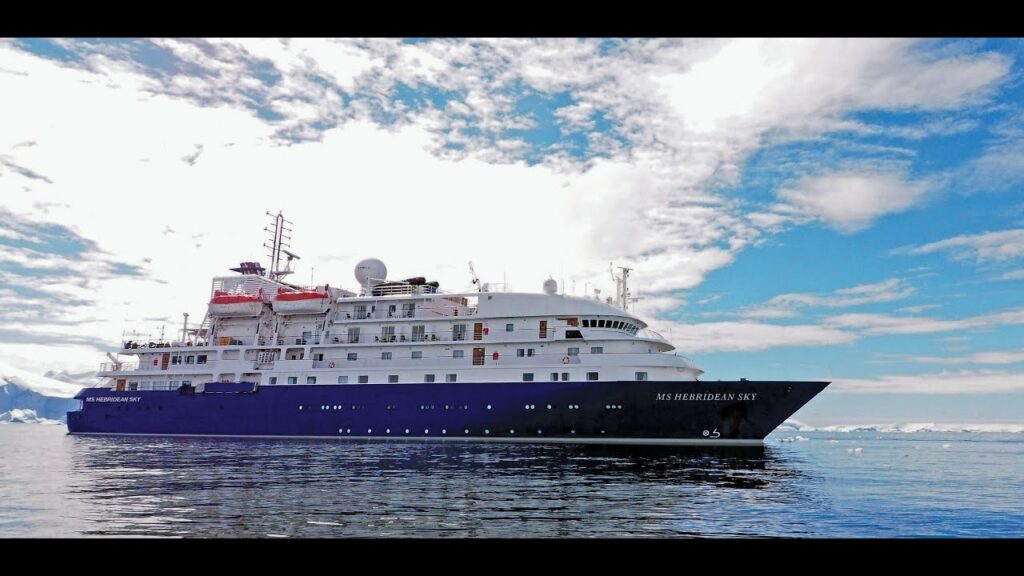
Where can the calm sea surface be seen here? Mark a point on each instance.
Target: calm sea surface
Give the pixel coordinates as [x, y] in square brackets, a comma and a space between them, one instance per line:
[800, 484]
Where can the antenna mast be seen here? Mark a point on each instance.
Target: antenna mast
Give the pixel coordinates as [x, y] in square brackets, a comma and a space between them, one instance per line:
[280, 241]
[476, 279]
[623, 297]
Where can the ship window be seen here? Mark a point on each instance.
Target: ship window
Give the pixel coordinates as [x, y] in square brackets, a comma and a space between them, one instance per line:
[133, 386]
[353, 335]
[293, 379]
[186, 382]
[387, 334]
[600, 323]
[310, 379]
[385, 355]
[190, 359]
[565, 376]
[641, 376]
[509, 327]
[201, 359]
[554, 376]
[146, 386]
[342, 379]
[273, 379]
[574, 351]
[364, 379]
[597, 350]
[360, 311]
[419, 333]
[521, 352]
[529, 351]
[591, 375]
[450, 377]
[392, 378]
[417, 354]
[459, 332]
[175, 359]
[527, 376]
[428, 377]
[318, 357]
[408, 310]
[458, 353]
[586, 323]
[573, 334]
[353, 355]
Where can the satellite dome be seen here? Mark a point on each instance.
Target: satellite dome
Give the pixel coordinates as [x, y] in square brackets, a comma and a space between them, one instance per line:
[370, 272]
[550, 286]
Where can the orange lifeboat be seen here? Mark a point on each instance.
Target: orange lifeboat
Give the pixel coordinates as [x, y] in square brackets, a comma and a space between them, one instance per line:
[301, 302]
[235, 304]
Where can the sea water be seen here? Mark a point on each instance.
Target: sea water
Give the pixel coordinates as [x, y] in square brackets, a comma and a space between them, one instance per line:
[831, 483]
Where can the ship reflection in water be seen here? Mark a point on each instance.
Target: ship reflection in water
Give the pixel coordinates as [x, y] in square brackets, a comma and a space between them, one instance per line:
[222, 487]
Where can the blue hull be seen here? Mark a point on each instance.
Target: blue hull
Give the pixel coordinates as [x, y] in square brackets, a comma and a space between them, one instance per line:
[586, 412]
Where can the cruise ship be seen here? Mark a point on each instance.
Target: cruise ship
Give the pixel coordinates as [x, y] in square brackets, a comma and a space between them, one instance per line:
[405, 360]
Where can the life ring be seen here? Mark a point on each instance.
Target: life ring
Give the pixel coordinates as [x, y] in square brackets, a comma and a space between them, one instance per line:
[565, 359]
[330, 364]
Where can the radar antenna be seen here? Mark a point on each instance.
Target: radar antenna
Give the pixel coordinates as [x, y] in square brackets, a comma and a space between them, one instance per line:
[280, 241]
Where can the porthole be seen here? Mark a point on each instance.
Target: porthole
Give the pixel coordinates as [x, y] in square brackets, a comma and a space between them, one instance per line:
[348, 430]
[340, 430]
[369, 430]
[387, 431]
[572, 432]
[488, 406]
[511, 431]
[466, 431]
[549, 406]
[443, 431]
[487, 431]
[300, 406]
[406, 430]
[538, 431]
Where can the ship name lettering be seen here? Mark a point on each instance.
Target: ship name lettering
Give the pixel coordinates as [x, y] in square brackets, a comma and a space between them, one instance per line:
[707, 397]
[113, 399]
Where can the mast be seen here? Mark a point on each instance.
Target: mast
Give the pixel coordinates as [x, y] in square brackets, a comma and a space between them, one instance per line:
[280, 241]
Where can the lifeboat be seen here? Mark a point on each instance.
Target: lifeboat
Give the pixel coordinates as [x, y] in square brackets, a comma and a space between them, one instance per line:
[227, 304]
[301, 302]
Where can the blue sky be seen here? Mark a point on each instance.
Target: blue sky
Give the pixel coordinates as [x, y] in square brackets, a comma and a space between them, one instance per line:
[841, 209]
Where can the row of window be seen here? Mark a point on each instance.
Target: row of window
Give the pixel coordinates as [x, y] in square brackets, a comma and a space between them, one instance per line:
[393, 378]
[189, 359]
[418, 354]
[613, 324]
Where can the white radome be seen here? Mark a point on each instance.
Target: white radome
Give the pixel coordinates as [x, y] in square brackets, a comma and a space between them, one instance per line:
[370, 271]
[550, 286]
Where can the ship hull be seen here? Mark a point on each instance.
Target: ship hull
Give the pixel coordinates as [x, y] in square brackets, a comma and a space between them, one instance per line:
[656, 413]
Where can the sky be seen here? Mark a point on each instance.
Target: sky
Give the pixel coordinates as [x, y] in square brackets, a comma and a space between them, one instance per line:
[848, 210]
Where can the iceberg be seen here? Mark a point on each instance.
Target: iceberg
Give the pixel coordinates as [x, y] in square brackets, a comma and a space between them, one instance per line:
[30, 398]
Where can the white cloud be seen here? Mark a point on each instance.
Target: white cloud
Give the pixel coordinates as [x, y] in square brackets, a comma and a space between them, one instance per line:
[850, 201]
[983, 358]
[110, 140]
[944, 382]
[999, 246]
[785, 305]
[747, 336]
[876, 324]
